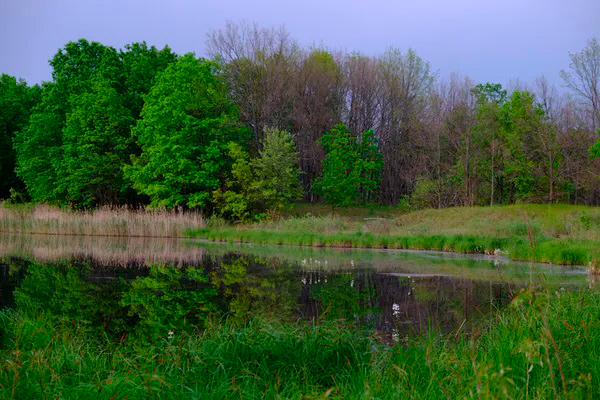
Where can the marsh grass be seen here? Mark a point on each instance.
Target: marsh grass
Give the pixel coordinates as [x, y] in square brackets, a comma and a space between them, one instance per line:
[545, 345]
[558, 234]
[124, 222]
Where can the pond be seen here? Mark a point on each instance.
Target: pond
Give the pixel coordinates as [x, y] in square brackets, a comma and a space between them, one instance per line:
[157, 287]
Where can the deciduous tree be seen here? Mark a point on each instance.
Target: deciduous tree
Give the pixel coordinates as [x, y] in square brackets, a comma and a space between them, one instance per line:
[351, 168]
[187, 124]
[16, 103]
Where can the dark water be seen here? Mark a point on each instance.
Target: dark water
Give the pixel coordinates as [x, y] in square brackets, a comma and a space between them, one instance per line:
[157, 287]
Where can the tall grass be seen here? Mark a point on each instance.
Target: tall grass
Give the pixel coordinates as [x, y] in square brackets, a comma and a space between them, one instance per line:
[546, 345]
[42, 219]
[545, 233]
[557, 251]
[553, 221]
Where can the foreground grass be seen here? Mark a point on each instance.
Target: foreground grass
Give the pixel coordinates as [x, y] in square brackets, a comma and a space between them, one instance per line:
[545, 345]
[122, 222]
[559, 234]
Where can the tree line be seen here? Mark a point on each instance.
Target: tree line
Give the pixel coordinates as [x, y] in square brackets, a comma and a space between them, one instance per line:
[263, 123]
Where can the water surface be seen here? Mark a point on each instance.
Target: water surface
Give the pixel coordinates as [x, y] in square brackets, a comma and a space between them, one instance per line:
[156, 287]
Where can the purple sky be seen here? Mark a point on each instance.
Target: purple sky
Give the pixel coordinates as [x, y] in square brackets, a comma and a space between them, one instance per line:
[489, 40]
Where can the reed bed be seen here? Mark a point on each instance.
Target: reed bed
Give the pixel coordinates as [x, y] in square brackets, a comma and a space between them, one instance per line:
[545, 345]
[122, 222]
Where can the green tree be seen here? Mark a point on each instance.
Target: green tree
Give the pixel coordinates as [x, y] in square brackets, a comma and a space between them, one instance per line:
[486, 132]
[369, 164]
[39, 146]
[187, 123]
[277, 175]
[16, 104]
[141, 65]
[79, 137]
[520, 121]
[235, 200]
[96, 142]
[595, 149]
[351, 169]
[270, 181]
[531, 158]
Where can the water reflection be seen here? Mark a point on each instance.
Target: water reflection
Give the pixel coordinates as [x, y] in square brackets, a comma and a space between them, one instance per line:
[152, 289]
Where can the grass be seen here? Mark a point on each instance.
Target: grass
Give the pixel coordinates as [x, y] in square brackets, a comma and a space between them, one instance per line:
[546, 345]
[122, 222]
[559, 234]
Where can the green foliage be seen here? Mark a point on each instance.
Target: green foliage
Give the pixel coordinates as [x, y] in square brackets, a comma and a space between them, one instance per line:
[38, 146]
[351, 169]
[595, 149]
[96, 144]
[79, 137]
[16, 102]
[277, 181]
[424, 195]
[58, 289]
[186, 127]
[75, 139]
[521, 123]
[268, 182]
[141, 65]
[490, 93]
[517, 153]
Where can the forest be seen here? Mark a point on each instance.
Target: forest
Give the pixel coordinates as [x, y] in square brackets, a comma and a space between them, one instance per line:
[262, 123]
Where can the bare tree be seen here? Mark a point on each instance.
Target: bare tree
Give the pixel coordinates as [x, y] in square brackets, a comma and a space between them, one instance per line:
[406, 81]
[363, 93]
[547, 97]
[584, 78]
[251, 42]
[317, 107]
[459, 118]
[260, 67]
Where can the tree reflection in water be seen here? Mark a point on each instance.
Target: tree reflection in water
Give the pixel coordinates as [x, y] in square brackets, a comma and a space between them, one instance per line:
[156, 301]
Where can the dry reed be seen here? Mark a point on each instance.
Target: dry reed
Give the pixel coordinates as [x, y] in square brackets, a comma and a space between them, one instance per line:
[123, 222]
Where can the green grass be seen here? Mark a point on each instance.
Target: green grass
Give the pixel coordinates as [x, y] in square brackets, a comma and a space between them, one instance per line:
[545, 345]
[559, 234]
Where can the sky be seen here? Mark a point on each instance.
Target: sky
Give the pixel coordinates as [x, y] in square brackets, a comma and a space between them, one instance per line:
[488, 40]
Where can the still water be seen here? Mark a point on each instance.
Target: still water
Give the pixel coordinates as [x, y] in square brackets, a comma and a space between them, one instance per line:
[157, 287]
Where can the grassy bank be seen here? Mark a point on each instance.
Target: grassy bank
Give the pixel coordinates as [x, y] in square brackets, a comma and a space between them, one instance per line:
[544, 233]
[42, 219]
[545, 345]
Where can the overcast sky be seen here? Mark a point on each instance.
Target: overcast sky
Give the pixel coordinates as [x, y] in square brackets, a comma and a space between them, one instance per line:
[489, 40]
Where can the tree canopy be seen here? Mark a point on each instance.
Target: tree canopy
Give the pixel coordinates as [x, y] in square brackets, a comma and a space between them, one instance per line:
[234, 134]
[184, 132]
[351, 169]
